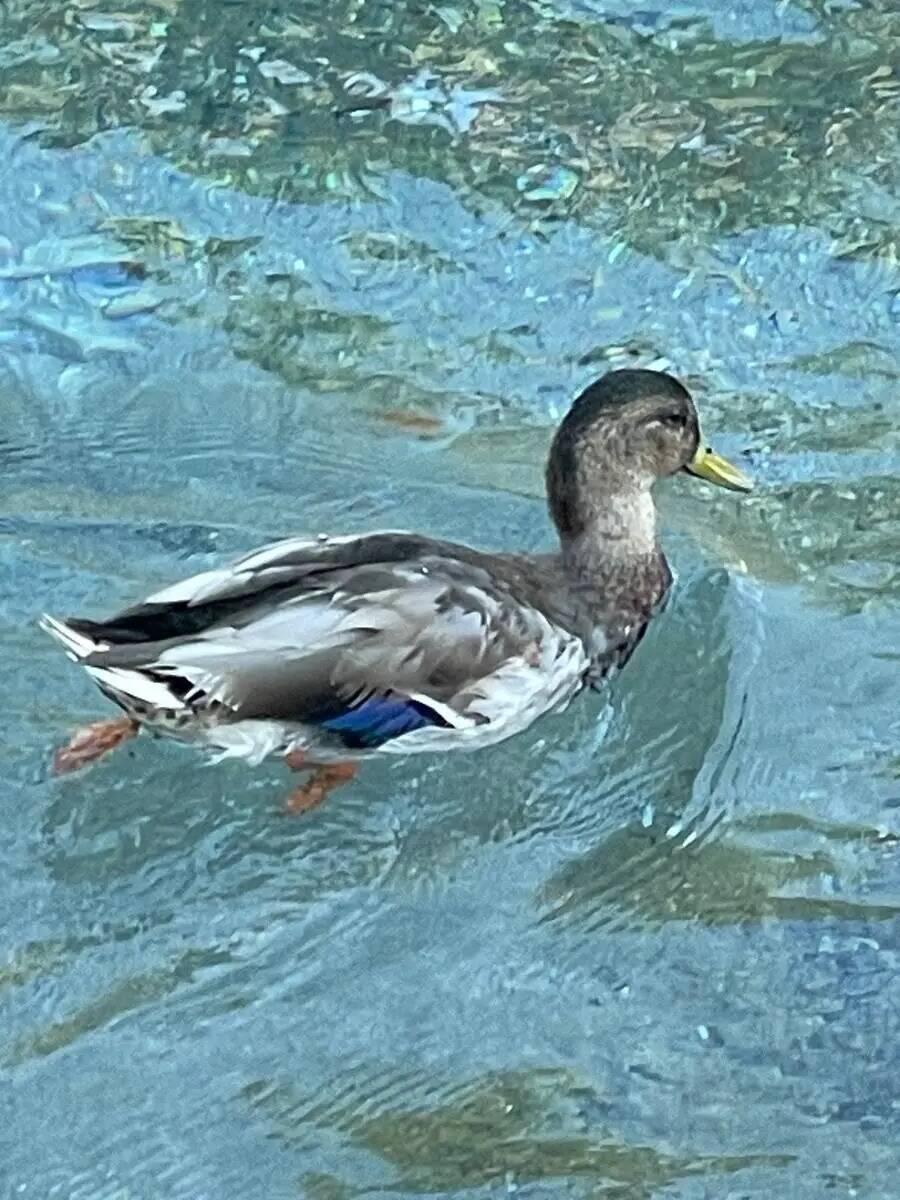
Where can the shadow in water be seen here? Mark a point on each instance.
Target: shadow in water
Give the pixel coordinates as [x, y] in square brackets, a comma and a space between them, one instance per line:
[644, 876]
[513, 1126]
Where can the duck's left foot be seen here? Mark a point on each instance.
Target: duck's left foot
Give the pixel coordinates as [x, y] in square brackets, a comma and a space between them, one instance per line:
[91, 742]
[323, 782]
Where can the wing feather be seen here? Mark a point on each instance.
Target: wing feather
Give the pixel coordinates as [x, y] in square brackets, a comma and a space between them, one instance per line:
[306, 630]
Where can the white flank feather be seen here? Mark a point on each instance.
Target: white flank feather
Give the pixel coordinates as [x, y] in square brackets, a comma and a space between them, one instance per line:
[454, 719]
[507, 701]
[251, 740]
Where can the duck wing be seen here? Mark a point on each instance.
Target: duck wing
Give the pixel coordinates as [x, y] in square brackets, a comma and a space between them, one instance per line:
[369, 639]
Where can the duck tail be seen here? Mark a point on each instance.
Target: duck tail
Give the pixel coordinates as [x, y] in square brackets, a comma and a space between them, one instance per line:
[128, 688]
[78, 645]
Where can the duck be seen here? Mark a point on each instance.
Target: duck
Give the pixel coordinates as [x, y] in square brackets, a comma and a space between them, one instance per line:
[329, 650]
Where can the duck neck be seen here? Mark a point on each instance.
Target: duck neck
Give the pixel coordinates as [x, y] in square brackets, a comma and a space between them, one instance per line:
[606, 521]
[619, 526]
[614, 550]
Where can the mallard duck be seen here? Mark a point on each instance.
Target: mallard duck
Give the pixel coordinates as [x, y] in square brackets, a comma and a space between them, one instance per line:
[328, 649]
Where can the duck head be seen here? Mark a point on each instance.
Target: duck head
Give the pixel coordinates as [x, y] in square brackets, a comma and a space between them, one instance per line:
[620, 436]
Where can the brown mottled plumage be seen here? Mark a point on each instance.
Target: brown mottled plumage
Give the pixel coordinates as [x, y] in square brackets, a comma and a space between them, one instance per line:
[333, 648]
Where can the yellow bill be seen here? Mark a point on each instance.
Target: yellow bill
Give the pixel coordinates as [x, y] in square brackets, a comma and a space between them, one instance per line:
[712, 467]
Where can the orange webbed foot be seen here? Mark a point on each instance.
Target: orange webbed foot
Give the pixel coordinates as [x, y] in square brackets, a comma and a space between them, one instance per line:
[91, 742]
[323, 782]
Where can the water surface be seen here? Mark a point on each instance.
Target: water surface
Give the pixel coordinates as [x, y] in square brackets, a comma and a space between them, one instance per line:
[650, 948]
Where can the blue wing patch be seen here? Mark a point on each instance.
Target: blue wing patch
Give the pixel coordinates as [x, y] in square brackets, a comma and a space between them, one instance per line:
[378, 719]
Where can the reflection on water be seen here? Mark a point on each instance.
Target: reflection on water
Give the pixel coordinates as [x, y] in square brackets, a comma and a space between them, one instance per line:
[649, 948]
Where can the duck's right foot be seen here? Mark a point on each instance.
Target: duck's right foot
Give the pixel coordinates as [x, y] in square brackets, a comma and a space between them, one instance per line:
[324, 780]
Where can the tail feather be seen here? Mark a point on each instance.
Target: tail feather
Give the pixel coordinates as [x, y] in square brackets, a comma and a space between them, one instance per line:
[77, 645]
[130, 688]
[126, 687]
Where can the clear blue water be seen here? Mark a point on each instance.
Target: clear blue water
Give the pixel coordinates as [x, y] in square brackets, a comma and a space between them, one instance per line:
[648, 949]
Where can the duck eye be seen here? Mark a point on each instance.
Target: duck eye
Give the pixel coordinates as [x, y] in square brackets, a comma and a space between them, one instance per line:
[670, 420]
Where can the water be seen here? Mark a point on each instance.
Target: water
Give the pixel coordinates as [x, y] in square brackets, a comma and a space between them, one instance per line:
[649, 948]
